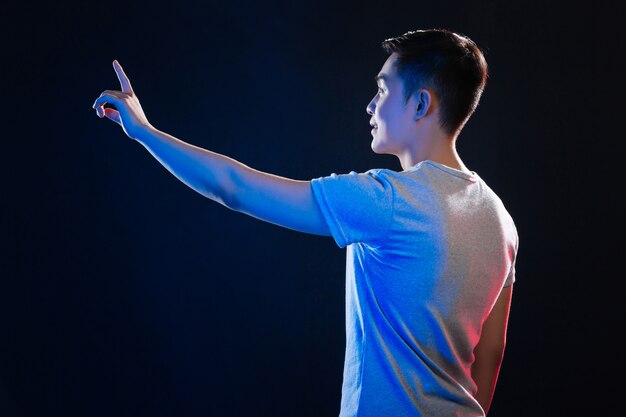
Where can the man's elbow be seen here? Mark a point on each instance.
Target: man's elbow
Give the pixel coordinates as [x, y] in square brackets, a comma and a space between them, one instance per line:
[493, 353]
[490, 352]
[222, 190]
[229, 198]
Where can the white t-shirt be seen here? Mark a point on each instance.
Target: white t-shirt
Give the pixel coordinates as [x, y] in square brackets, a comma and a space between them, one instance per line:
[428, 251]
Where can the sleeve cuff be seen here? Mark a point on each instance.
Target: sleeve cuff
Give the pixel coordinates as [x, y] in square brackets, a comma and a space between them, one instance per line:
[335, 229]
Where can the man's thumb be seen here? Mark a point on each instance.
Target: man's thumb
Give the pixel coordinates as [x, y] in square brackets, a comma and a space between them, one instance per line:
[113, 115]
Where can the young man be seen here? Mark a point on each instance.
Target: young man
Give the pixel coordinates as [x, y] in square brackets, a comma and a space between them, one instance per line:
[430, 249]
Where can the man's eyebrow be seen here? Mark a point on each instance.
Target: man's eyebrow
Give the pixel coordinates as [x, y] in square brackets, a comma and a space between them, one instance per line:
[382, 77]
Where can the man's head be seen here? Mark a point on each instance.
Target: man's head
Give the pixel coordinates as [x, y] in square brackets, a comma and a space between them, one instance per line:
[432, 79]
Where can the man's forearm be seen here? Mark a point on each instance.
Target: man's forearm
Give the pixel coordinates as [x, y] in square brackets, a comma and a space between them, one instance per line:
[271, 198]
[209, 173]
[485, 374]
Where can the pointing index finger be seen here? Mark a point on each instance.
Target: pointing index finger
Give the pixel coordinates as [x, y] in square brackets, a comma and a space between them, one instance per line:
[124, 81]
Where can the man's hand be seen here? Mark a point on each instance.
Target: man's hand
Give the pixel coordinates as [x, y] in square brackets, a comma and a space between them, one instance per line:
[128, 112]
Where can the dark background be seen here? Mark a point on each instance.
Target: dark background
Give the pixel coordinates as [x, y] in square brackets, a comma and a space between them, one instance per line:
[125, 293]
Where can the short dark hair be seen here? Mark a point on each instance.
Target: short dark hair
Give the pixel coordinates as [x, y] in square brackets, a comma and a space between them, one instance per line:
[451, 64]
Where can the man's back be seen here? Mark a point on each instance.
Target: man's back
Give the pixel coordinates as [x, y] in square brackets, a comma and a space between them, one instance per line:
[429, 250]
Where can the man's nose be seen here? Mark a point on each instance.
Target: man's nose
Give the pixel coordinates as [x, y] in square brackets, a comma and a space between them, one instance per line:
[370, 108]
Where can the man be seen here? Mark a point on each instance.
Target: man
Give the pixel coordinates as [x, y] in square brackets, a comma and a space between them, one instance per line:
[430, 249]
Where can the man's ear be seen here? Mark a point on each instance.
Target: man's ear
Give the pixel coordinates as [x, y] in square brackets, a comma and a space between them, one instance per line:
[422, 102]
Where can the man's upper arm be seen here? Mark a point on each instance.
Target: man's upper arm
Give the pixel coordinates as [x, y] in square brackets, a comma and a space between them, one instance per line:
[493, 335]
[278, 200]
[494, 328]
[490, 349]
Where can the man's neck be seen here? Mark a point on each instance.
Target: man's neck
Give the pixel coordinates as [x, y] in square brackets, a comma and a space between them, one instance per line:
[444, 154]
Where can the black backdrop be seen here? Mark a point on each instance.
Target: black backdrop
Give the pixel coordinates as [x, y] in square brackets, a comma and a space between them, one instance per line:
[125, 293]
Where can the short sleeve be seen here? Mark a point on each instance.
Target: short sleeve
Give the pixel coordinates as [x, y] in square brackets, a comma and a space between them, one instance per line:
[357, 207]
[510, 279]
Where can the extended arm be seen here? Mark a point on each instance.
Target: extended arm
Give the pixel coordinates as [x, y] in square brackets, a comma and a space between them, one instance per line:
[282, 201]
[489, 352]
